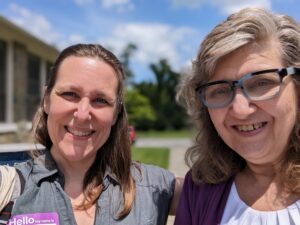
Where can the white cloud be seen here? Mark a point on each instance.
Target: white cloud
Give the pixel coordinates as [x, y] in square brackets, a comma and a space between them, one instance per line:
[154, 41]
[71, 39]
[118, 5]
[41, 28]
[34, 23]
[231, 6]
[225, 6]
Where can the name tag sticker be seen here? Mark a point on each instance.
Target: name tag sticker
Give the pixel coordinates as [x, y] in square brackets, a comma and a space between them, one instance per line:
[50, 218]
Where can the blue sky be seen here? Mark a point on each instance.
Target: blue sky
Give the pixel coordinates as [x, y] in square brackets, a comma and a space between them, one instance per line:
[171, 29]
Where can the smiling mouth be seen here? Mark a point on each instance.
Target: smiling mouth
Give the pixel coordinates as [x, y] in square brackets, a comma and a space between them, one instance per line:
[79, 133]
[250, 127]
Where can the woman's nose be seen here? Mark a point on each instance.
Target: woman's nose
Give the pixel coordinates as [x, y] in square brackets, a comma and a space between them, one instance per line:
[83, 111]
[241, 106]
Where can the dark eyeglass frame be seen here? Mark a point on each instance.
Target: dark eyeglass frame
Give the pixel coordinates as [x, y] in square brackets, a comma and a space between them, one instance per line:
[282, 72]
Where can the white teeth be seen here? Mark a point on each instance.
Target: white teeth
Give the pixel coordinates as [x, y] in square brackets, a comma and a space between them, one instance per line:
[79, 133]
[250, 127]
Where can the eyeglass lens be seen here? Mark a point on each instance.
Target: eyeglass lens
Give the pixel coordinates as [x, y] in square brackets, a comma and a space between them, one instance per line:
[262, 86]
[255, 87]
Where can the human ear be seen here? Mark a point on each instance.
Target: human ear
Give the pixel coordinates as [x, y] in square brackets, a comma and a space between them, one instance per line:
[46, 101]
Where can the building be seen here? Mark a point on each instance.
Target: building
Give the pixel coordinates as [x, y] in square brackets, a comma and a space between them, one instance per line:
[24, 64]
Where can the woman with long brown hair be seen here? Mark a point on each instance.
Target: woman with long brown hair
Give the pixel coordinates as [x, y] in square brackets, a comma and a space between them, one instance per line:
[85, 175]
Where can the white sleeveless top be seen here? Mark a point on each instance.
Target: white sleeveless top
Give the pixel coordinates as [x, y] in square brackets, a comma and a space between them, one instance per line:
[238, 213]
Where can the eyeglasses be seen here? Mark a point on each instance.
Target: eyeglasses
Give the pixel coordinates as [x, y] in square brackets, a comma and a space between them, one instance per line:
[260, 85]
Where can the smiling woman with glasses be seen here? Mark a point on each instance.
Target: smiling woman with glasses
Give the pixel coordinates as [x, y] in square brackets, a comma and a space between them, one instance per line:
[244, 94]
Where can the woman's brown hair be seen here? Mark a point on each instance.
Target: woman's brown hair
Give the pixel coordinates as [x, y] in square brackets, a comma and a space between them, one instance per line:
[115, 154]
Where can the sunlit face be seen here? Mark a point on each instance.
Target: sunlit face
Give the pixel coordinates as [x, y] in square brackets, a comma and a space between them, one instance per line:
[81, 108]
[257, 130]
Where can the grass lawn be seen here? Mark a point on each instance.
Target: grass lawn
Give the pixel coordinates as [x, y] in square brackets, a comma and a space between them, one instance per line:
[154, 156]
[166, 134]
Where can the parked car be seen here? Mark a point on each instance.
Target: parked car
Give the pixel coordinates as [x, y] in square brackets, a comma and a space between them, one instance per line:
[13, 153]
[132, 134]
[11, 158]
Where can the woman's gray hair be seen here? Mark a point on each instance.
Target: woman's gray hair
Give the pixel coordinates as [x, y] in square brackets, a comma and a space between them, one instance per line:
[211, 159]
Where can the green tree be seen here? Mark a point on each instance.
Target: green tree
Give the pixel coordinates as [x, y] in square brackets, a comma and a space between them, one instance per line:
[125, 59]
[161, 93]
[140, 112]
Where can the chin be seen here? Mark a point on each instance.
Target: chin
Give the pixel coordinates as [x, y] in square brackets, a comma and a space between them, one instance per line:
[77, 158]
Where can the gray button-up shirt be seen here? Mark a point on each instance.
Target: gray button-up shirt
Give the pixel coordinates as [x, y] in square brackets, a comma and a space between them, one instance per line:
[43, 200]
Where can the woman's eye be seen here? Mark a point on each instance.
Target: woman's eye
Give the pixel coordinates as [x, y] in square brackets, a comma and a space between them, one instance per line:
[219, 92]
[100, 101]
[265, 82]
[69, 95]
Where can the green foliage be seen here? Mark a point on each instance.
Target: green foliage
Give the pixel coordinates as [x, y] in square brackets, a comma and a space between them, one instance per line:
[153, 156]
[140, 112]
[167, 134]
[152, 105]
[125, 59]
[161, 94]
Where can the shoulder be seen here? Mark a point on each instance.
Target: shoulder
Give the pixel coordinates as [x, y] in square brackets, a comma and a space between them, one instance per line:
[190, 188]
[156, 172]
[42, 163]
[202, 201]
[24, 168]
[204, 192]
[35, 170]
[190, 184]
[153, 176]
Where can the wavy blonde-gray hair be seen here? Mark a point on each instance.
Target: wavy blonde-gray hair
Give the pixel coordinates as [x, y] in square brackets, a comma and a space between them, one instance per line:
[212, 161]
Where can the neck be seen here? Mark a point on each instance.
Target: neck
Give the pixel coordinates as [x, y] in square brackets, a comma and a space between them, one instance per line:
[268, 190]
[74, 176]
[264, 175]
[73, 171]
[266, 170]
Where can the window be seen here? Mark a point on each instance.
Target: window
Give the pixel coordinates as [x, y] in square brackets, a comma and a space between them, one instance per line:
[2, 80]
[33, 85]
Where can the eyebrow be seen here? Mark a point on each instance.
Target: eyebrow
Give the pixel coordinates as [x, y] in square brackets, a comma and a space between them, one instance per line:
[94, 93]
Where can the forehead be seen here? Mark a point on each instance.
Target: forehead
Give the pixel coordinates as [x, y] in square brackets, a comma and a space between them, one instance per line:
[249, 58]
[87, 72]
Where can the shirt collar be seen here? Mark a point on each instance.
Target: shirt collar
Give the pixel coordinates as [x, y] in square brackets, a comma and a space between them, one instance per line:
[135, 170]
[44, 166]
